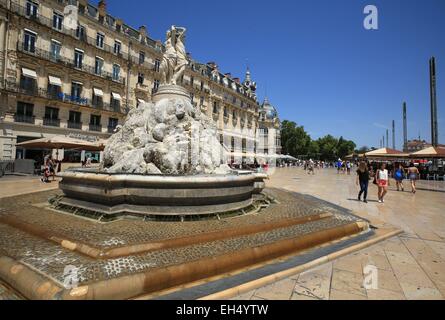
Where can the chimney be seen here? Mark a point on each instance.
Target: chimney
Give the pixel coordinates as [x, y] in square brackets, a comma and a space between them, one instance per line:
[236, 80]
[228, 75]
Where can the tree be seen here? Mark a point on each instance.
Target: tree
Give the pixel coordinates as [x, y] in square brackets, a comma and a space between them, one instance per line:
[294, 140]
[297, 142]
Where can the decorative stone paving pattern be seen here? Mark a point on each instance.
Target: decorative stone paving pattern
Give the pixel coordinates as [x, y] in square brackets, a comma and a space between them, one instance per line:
[51, 259]
[28, 208]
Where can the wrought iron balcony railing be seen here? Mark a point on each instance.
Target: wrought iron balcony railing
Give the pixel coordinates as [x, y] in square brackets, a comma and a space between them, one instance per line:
[69, 63]
[24, 118]
[51, 122]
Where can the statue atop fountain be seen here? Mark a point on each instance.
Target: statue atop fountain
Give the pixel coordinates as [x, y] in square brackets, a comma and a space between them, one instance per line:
[168, 135]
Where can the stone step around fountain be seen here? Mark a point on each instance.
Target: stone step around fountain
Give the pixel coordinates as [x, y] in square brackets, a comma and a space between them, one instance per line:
[116, 195]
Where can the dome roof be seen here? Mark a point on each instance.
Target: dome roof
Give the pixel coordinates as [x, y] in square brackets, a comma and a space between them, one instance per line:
[269, 110]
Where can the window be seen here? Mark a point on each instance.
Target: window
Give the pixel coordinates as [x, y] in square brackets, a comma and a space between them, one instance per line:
[215, 107]
[117, 47]
[78, 58]
[115, 101]
[74, 117]
[80, 33]
[25, 109]
[54, 88]
[28, 84]
[76, 90]
[97, 98]
[74, 120]
[202, 86]
[234, 114]
[25, 112]
[112, 124]
[226, 113]
[201, 101]
[95, 123]
[141, 57]
[155, 85]
[116, 72]
[57, 21]
[100, 38]
[118, 28]
[140, 78]
[99, 66]
[29, 41]
[51, 117]
[157, 65]
[31, 9]
[192, 81]
[55, 49]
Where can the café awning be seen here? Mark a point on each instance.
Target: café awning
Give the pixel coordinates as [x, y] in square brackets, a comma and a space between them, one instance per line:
[386, 153]
[431, 152]
[61, 142]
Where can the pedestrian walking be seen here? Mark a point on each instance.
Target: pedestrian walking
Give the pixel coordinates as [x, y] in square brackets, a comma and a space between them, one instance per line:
[363, 181]
[413, 174]
[399, 175]
[382, 180]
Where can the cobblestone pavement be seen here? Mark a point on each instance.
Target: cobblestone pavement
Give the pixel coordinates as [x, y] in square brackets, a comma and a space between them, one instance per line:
[411, 266]
[51, 259]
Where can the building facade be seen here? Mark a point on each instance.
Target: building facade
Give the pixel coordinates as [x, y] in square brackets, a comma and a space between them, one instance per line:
[78, 72]
[418, 144]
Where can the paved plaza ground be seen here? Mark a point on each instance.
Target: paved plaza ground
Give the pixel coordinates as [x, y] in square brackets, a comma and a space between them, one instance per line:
[410, 266]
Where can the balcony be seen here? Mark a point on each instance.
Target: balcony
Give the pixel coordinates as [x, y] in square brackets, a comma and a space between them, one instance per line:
[75, 125]
[24, 118]
[69, 63]
[95, 127]
[51, 122]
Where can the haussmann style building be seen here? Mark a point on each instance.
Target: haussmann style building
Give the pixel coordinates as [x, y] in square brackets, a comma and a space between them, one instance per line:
[79, 79]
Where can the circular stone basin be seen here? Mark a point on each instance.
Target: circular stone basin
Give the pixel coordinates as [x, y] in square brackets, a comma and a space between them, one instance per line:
[159, 195]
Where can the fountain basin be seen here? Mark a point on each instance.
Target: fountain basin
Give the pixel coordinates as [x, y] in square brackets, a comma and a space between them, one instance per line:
[159, 195]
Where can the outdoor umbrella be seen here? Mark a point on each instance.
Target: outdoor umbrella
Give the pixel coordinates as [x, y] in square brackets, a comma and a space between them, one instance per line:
[431, 152]
[61, 142]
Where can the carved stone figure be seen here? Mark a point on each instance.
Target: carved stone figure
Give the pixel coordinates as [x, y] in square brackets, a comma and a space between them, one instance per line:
[175, 59]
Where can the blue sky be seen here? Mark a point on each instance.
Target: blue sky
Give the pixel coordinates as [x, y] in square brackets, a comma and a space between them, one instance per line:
[321, 68]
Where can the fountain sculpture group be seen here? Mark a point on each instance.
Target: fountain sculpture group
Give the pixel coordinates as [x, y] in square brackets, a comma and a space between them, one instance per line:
[165, 159]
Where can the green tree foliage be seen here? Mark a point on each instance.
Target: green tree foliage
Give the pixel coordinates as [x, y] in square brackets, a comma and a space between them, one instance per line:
[298, 143]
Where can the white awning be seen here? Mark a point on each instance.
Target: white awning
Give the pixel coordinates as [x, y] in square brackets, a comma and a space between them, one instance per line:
[29, 73]
[98, 92]
[116, 96]
[55, 81]
[141, 100]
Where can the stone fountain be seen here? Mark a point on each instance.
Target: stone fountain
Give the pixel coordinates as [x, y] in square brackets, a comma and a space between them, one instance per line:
[165, 160]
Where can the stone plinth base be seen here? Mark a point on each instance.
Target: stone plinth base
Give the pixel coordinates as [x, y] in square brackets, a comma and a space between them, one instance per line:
[170, 91]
